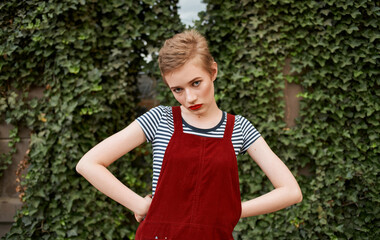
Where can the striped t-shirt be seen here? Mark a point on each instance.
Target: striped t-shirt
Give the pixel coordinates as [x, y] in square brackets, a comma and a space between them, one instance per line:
[158, 127]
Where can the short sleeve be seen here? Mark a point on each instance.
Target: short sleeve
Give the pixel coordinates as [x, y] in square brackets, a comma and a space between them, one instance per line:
[150, 121]
[249, 132]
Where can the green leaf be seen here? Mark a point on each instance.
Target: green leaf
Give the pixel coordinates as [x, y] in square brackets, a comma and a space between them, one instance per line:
[74, 69]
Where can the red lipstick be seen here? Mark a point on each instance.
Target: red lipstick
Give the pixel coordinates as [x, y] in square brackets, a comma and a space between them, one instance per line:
[195, 107]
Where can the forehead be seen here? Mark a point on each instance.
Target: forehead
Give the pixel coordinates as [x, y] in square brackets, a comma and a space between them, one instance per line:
[185, 74]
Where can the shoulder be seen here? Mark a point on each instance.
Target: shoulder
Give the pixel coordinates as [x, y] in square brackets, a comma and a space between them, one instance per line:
[241, 121]
[239, 118]
[155, 115]
[157, 112]
[161, 109]
[247, 130]
[152, 119]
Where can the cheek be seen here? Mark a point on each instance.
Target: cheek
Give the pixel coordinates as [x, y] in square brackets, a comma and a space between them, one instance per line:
[178, 98]
[209, 91]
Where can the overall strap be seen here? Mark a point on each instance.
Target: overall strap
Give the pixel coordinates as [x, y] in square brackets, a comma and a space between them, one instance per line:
[177, 118]
[230, 126]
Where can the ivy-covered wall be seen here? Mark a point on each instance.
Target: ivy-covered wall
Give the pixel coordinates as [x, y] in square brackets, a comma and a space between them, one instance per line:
[86, 55]
[334, 149]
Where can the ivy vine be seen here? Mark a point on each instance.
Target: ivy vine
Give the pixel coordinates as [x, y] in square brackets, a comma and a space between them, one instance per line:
[334, 50]
[86, 56]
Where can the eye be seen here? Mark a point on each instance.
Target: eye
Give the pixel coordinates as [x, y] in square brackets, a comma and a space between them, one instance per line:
[196, 83]
[177, 90]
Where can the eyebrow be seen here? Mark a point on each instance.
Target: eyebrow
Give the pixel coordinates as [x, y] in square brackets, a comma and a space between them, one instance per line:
[191, 81]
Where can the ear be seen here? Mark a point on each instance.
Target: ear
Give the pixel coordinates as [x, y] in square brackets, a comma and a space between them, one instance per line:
[214, 70]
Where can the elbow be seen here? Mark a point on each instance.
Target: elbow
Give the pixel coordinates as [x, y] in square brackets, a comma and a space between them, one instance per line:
[79, 167]
[294, 194]
[299, 198]
[298, 195]
[86, 166]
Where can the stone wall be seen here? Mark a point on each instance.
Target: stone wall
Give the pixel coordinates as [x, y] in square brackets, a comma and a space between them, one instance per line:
[9, 200]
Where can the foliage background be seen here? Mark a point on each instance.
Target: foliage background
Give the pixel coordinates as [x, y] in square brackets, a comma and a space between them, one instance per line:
[86, 55]
[333, 47]
[334, 51]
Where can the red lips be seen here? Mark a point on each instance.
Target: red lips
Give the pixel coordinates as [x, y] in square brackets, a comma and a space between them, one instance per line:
[195, 107]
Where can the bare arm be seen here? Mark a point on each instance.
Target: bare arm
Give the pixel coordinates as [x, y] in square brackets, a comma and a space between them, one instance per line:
[93, 166]
[286, 192]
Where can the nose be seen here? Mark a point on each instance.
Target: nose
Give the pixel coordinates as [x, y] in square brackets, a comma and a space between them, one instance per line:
[191, 97]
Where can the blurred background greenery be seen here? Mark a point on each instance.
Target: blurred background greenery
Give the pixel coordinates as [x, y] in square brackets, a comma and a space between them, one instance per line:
[86, 57]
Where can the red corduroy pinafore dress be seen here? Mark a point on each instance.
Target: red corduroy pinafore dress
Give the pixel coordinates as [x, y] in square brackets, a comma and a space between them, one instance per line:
[197, 195]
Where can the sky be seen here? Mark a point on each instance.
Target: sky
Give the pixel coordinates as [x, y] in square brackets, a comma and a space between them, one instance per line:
[189, 10]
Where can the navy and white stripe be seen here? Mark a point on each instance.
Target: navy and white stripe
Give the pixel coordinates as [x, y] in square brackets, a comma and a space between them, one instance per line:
[158, 127]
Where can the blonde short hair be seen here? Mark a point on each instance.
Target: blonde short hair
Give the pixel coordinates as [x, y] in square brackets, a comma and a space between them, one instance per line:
[181, 48]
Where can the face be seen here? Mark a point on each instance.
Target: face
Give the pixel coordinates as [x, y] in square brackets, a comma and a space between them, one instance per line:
[193, 87]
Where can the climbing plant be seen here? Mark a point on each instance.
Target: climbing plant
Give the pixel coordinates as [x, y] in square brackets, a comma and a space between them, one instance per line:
[86, 57]
[333, 150]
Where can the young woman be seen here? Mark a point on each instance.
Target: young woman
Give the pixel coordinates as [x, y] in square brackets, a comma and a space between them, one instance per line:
[195, 176]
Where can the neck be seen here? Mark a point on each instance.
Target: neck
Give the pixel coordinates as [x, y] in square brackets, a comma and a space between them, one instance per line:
[212, 112]
[206, 119]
